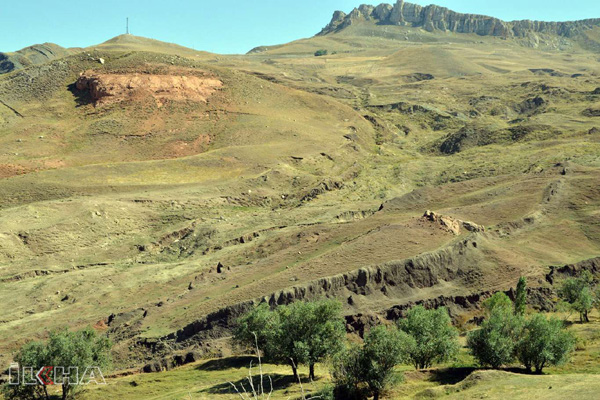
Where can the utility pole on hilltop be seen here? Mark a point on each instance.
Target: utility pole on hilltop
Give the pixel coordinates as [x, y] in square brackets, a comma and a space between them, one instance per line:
[127, 26]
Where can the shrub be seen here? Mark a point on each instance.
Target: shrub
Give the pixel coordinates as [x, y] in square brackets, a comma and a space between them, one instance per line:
[544, 342]
[434, 337]
[320, 53]
[494, 343]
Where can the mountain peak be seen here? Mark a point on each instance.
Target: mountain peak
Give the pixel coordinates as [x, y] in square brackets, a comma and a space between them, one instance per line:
[436, 18]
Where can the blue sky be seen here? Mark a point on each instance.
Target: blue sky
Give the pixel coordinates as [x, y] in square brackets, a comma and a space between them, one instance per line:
[223, 26]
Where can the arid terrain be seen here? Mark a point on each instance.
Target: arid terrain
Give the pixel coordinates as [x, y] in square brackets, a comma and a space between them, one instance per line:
[156, 192]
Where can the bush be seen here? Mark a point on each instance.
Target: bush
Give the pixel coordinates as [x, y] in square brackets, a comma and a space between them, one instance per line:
[434, 339]
[301, 333]
[544, 342]
[494, 343]
[79, 349]
[320, 53]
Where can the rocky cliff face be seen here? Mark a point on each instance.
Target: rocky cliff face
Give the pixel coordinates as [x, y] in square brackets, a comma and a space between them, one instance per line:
[433, 18]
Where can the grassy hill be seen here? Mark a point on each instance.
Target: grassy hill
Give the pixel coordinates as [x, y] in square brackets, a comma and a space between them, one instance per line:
[301, 176]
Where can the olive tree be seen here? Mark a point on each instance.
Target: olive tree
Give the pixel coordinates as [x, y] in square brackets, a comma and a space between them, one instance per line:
[434, 339]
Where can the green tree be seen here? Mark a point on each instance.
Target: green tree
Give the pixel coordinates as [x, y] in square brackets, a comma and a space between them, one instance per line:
[544, 342]
[434, 337]
[79, 349]
[521, 296]
[498, 300]
[311, 331]
[321, 52]
[363, 372]
[301, 333]
[347, 372]
[494, 343]
[260, 327]
[578, 292]
[383, 349]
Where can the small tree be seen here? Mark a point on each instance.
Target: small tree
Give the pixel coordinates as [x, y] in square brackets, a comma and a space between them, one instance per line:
[521, 296]
[362, 372]
[434, 337]
[384, 348]
[321, 52]
[494, 343]
[544, 342]
[80, 349]
[578, 292]
[260, 328]
[311, 331]
[347, 372]
[498, 300]
[301, 333]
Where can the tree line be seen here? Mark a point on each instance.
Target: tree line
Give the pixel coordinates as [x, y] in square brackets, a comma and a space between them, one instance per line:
[306, 333]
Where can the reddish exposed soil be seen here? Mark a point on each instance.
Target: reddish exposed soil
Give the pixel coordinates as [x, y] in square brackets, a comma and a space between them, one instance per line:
[179, 85]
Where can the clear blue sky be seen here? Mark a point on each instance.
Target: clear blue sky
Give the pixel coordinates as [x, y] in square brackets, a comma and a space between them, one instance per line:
[223, 26]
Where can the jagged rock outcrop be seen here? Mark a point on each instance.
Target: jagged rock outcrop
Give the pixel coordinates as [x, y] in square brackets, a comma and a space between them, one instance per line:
[434, 17]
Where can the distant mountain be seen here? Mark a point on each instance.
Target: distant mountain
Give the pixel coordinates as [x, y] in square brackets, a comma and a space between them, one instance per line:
[32, 55]
[435, 18]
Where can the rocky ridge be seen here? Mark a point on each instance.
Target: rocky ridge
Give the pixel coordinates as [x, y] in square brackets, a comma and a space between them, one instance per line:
[432, 18]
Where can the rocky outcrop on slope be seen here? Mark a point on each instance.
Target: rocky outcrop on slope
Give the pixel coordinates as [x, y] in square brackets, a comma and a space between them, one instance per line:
[180, 85]
[398, 279]
[452, 224]
[434, 17]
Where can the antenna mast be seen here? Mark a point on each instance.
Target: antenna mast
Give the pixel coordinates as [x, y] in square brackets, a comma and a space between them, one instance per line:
[127, 26]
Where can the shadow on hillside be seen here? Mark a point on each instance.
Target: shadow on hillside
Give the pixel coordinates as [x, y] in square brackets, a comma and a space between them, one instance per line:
[279, 382]
[82, 97]
[227, 363]
[450, 376]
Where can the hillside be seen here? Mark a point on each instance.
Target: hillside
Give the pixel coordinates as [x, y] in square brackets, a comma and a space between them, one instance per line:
[157, 192]
[32, 55]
